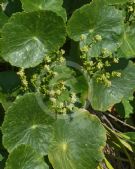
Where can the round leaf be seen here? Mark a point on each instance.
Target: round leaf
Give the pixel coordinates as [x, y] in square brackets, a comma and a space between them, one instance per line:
[28, 37]
[103, 98]
[53, 5]
[24, 157]
[27, 123]
[96, 19]
[77, 142]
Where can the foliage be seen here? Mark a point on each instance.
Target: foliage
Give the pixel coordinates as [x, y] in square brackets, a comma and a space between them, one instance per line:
[67, 82]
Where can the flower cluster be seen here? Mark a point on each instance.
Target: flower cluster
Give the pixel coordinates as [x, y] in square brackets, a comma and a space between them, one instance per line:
[23, 78]
[130, 11]
[56, 90]
[99, 65]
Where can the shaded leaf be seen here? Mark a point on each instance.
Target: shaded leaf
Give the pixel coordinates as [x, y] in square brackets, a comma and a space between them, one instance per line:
[9, 80]
[6, 103]
[3, 19]
[130, 136]
[127, 107]
[1, 157]
[12, 6]
[74, 83]
[72, 5]
[108, 164]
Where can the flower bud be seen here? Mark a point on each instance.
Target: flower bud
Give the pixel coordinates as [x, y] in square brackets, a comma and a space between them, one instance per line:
[98, 37]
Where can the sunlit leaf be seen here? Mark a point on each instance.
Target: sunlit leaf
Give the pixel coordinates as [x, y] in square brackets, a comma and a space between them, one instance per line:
[96, 19]
[77, 142]
[26, 122]
[24, 157]
[28, 37]
[53, 5]
[102, 97]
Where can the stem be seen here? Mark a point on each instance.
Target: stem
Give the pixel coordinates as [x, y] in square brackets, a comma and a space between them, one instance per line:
[122, 146]
[118, 158]
[128, 156]
[109, 123]
[118, 120]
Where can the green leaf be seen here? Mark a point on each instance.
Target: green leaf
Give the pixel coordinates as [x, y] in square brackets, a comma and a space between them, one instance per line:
[64, 73]
[74, 53]
[9, 80]
[127, 108]
[3, 19]
[72, 5]
[113, 2]
[108, 164]
[6, 103]
[28, 37]
[9, 87]
[24, 157]
[75, 83]
[11, 6]
[96, 19]
[26, 122]
[1, 157]
[128, 140]
[127, 49]
[77, 142]
[81, 87]
[53, 5]
[130, 136]
[102, 98]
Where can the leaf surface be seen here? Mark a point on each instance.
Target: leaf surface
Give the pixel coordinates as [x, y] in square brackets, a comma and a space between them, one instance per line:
[53, 5]
[95, 19]
[1, 157]
[9, 80]
[113, 2]
[3, 19]
[77, 143]
[27, 123]
[28, 37]
[102, 98]
[127, 107]
[24, 157]
[127, 49]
